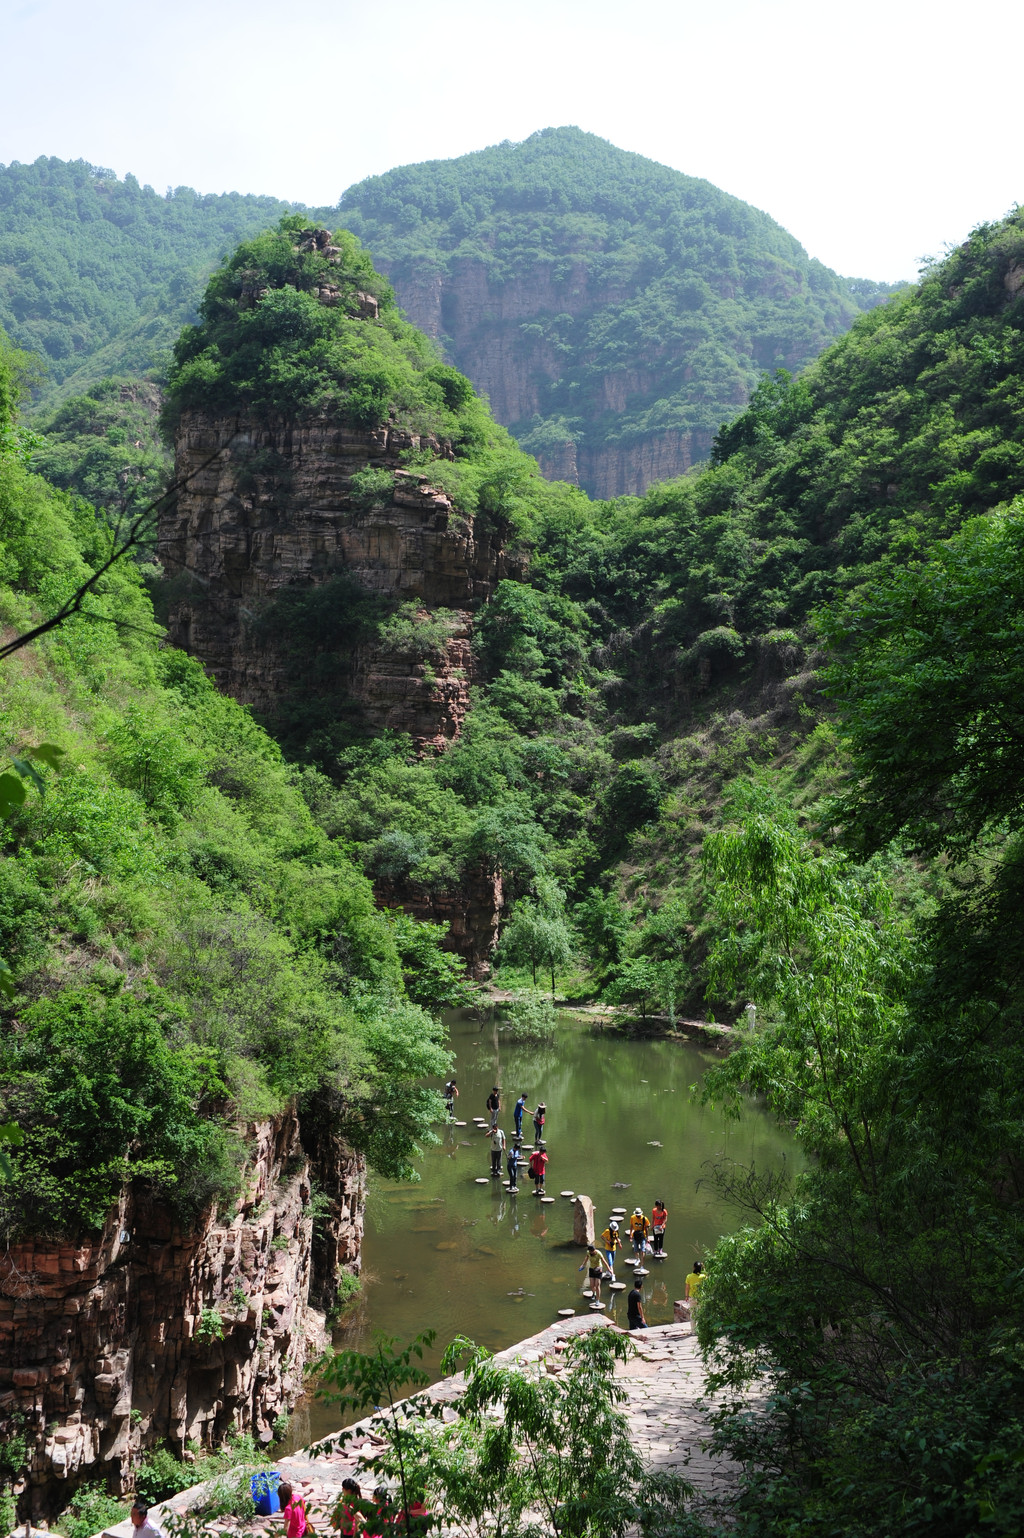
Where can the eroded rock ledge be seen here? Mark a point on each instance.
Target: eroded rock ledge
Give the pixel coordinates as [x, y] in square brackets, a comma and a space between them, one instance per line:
[147, 1333]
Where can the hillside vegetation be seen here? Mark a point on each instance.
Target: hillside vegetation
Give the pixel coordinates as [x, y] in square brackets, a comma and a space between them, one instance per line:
[97, 274]
[752, 736]
[189, 950]
[664, 297]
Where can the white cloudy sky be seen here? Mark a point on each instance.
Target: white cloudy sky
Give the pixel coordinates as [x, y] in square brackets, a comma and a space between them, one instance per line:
[877, 132]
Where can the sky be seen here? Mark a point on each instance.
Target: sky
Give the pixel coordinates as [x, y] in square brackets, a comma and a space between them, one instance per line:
[878, 133]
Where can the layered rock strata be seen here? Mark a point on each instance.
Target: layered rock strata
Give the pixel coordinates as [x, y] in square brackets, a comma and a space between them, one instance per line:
[147, 1333]
[471, 911]
[266, 513]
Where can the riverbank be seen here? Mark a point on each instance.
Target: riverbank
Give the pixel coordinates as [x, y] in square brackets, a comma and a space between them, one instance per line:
[624, 1020]
[665, 1407]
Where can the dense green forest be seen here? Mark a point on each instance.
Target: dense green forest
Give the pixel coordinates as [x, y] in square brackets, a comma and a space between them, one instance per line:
[190, 950]
[661, 279]
[97, 274]
[751, 736]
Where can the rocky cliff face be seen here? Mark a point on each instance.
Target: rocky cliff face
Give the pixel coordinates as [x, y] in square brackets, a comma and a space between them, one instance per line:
[268, 513]
[504, 336]
[147, 1333]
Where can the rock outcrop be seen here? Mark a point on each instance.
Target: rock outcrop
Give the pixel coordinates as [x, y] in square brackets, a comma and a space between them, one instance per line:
[146, 1333]
[472, 912]
[267, 513]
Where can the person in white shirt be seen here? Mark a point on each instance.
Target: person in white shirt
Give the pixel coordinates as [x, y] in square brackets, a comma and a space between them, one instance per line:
[144, 1528]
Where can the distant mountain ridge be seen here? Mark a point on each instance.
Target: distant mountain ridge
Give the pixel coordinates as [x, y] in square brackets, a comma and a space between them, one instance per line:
[98, 275]
[616, 311]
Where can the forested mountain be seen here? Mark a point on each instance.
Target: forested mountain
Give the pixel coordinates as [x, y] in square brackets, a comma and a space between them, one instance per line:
[616, 312]
[753, 735]
[97, 275]
[653, 765]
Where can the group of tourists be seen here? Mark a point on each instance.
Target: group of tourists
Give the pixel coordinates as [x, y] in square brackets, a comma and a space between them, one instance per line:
[515, 1155]
[646, 1234]
[379, 1517]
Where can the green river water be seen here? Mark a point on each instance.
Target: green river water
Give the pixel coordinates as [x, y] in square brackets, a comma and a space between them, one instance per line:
[460, 1258]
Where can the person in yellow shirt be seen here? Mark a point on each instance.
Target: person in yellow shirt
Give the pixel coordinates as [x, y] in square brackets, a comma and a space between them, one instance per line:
[639, 1228]
[693, 1285]
[611, 1242]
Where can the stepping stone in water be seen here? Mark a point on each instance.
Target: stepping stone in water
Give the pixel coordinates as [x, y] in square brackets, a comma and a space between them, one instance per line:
[482, 1180]
[654, 1145]
[660, 1255]
[569, 1194]
[586, 1293]
[597, 1304]
[547, 1199]
[617, 1286]
[458, 1124]
[566, 1313]
[639, 1271]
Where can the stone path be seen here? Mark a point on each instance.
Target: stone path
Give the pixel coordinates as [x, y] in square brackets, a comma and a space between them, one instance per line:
[665, 1383]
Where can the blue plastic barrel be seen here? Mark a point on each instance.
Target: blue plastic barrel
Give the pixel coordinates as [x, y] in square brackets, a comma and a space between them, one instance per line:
[264, 1492]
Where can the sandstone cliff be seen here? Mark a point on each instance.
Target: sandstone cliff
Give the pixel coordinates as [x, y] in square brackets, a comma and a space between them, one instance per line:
[268, 513]
[506, 337]
[146, 1333]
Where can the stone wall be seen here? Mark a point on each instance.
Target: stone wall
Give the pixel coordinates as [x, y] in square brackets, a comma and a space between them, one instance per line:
[146, 1333]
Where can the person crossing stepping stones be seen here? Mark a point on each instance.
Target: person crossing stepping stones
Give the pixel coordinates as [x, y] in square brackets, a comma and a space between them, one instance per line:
[513, 1159]
[537, 1166]
[451, 1094]
[494, 1105]
[539, 1118]
[659, 1218]
[596, 1267]
[497, 1149]
[519, 1110]
[611, 1242]
[639, 1228]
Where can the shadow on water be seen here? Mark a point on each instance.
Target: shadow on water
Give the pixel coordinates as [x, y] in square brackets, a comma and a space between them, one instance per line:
[459, 1257]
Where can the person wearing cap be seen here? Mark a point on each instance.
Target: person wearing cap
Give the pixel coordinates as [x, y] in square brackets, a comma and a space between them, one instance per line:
[539, 1118]
[611, 1241]
[639, 1228]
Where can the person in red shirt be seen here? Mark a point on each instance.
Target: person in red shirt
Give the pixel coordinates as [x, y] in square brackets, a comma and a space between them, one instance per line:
[296, 1523]
[659, 1217]
[537, 1167]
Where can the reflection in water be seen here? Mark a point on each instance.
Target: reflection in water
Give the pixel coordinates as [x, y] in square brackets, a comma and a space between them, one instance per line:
[462, 1258]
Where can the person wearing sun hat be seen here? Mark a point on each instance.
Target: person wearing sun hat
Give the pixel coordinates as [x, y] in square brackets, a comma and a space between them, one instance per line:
[639, 1228]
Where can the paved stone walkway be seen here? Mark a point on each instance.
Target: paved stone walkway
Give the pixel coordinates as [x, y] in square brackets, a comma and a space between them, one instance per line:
[665, 1383]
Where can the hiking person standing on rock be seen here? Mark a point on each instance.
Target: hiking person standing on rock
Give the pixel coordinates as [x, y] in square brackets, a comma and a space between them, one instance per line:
[497, 1149]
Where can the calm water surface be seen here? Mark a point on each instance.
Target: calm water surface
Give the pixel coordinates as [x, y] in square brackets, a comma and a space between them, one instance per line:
[461, 1258]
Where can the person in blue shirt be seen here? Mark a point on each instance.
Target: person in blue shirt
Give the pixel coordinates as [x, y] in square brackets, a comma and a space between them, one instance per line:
[518, 1112]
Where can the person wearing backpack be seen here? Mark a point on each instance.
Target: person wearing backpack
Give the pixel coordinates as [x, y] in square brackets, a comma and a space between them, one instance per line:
[537, 1167]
